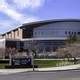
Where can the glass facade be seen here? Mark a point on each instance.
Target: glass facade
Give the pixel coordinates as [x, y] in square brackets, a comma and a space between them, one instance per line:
[43, 45]
[51, 34]
[52, 30]
[58, 29]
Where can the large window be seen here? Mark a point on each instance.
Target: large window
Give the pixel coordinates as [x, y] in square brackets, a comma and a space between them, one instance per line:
[59, 29]
[43, 45]
[27, 32]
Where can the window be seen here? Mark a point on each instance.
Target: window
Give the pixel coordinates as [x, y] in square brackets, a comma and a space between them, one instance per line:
[78, 33]
[35, 33]
[74, 32]
[69, 32]
[38, 32]
[42, 33]
[65, 32]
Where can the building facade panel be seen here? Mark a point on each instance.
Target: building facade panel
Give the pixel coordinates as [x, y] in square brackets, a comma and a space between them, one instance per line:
[58, 29]
[9, 35]
[17, 34]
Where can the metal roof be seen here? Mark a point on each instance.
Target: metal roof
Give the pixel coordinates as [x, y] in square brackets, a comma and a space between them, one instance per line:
[44, 22]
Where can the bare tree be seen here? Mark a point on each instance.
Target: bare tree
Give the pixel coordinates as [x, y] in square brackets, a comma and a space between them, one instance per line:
[10, 53]
[2, 53]
[70, 51]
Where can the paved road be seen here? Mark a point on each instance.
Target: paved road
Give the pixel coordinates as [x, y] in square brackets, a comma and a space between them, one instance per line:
[61, 75]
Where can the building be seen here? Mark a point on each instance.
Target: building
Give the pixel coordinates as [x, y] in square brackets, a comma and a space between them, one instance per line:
[44, 36]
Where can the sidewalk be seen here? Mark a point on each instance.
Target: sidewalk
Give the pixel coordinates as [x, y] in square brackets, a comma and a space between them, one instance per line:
[69, 67]
[12, 71]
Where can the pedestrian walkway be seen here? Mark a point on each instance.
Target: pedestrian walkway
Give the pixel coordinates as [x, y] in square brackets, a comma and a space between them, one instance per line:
[12, 71]
[68, 67]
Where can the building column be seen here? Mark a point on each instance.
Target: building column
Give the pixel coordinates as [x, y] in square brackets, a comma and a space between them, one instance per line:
[20, 33]
[12, 34]
[9, 35]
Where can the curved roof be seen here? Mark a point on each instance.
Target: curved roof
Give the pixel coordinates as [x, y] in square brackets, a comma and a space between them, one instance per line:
[44, 22]
[51, 21]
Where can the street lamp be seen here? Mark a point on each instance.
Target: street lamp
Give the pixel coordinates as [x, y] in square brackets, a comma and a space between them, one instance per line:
[34, 46]
[32, 57]
[33, 60]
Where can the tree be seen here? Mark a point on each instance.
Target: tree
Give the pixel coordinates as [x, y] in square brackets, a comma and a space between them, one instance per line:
[70, 51]
[11, 53]
[2, 53]
[72, 38]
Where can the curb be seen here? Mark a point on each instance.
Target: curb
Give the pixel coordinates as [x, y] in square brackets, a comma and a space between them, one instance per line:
[52, 69]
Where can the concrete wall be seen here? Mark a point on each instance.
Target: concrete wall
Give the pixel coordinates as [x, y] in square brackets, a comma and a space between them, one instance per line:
[14, 34]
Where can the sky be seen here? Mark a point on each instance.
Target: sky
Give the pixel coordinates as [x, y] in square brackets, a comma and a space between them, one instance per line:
[14, 13]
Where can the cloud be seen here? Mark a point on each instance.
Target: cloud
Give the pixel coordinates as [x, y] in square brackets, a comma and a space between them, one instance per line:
[16, 17]
[21, 4]
[12, 13]
[5, 8]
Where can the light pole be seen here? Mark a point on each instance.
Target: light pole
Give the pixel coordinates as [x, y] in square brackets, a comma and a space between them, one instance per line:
[33, 60]
[33, 54]
[32, 57]
[10, 61]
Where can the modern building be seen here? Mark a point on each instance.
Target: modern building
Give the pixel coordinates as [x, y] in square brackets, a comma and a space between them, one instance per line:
[44, 36]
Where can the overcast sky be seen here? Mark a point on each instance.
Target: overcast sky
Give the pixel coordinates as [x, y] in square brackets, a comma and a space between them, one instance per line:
[13, 13]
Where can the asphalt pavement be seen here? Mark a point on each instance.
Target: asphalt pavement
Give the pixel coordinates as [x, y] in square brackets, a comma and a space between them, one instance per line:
[60, 75]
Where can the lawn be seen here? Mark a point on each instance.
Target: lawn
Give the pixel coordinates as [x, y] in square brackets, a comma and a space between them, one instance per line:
[43, 63]
[47, 63]
[2, 65]
[40, 63]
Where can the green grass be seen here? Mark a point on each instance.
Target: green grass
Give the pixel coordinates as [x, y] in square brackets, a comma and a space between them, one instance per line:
[2, 65]
[43, 63]
[40, 63]
[47, 63]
